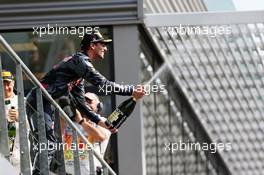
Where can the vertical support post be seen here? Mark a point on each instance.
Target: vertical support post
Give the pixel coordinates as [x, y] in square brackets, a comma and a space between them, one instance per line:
[131, 147]
[105, 170]
[196, 153]
[140, 10]
[207, 165]
[170, 129]
[59, 154]
[156, 133]
[42, 139]
[23, 129]
[77, 169]
[156, 146]
[4, 144]
[91, 162]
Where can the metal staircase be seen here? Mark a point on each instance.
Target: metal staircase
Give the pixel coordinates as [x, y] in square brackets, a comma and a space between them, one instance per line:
[22, 69]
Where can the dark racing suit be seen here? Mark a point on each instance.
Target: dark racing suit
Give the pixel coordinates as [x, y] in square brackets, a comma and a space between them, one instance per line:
[67, 77]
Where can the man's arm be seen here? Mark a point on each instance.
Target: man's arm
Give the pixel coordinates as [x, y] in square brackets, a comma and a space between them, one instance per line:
[95, 133]
[105, 86]
[83, 68]
[86, 70]
[79, 101]
[77, 97]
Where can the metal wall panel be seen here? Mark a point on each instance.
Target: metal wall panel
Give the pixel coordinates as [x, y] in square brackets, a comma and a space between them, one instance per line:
[78, 13]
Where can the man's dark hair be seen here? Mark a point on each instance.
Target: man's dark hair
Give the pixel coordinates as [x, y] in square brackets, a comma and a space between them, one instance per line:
[94, 37]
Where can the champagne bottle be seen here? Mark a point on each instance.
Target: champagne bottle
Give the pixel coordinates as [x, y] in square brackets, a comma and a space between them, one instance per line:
[11, 129]
[120, 114]
[11, 133]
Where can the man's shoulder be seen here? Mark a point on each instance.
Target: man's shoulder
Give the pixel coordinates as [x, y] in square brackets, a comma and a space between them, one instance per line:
[85, 59]
[80, 55]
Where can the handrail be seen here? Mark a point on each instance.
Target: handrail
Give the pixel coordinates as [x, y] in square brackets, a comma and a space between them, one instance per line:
[30, 75]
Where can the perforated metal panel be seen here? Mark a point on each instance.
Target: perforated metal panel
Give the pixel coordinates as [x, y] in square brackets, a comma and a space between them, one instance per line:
[222, 77]
[163, 125]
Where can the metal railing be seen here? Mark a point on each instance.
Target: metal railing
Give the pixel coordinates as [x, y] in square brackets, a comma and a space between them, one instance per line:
[24, 144]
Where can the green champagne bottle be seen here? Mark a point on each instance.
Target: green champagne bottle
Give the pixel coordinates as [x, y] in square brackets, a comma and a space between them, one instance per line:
[11, 133]
[120, 114]
[12, 129]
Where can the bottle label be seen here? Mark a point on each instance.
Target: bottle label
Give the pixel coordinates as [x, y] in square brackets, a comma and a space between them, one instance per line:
[11, 144]
[121, 121]
[11, 134]
[114, 116]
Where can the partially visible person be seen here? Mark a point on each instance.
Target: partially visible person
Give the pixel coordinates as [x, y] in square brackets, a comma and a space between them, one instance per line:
[100, 143]
[96, 135]
[11, 108]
